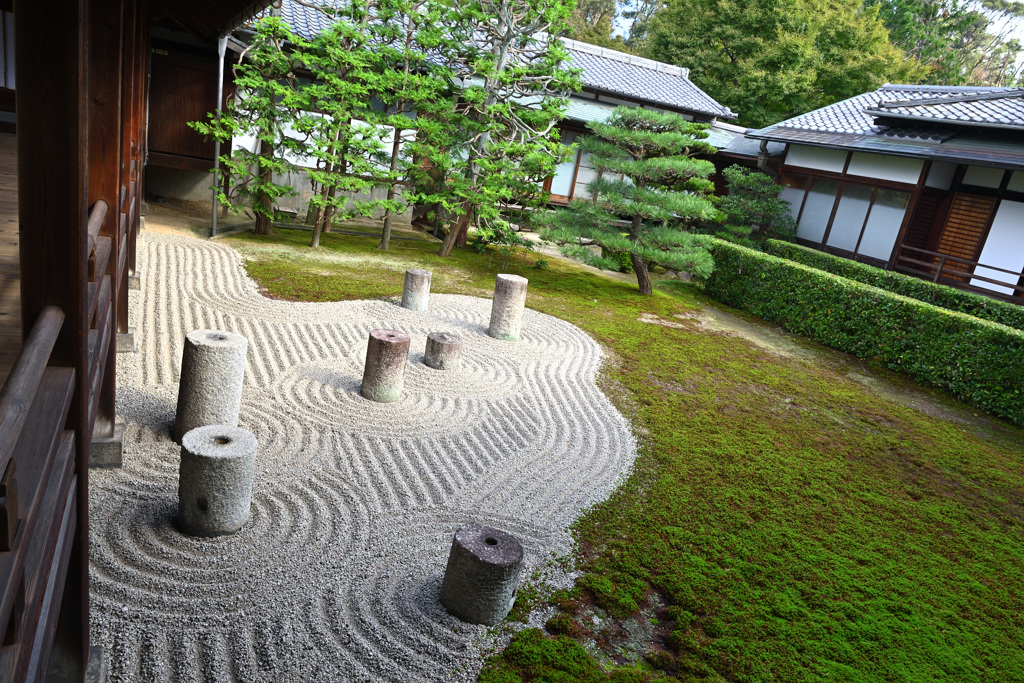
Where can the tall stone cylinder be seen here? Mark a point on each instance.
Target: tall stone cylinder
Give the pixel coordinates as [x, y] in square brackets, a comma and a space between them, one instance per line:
[387, 354]
[482, 575]
[444, 351]
[507, 307]
[210, 389]
[416, 292]
[215, 476]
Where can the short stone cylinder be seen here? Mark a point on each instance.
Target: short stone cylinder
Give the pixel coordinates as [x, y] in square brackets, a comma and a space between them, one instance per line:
[210, 389]
[218, 463]
[387, 354]
[416, 293]
[507, 307]
[482, 575]
[444, 351]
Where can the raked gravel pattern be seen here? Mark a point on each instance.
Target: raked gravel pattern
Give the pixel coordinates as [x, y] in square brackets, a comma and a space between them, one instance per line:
[337, 574]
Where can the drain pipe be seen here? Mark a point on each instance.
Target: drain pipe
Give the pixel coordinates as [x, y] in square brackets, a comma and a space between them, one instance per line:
[222, 44]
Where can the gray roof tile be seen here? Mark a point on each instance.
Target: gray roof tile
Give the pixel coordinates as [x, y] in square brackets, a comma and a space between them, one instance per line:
[942, 104]
[956, 124]
[645, 79]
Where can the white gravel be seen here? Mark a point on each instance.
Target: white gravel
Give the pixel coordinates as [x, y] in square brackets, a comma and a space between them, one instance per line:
[336, 576]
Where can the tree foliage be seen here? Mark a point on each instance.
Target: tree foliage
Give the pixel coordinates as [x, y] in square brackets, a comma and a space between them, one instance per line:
[415, 62]
[753, 210]
[954, 40]
[516, 90]
[649, 188]
[267, 103]
[444, 102]
[774, 59]
[591, 21]
[337, 96]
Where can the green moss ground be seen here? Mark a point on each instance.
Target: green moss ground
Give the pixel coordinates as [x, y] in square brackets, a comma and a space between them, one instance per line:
[784, 522]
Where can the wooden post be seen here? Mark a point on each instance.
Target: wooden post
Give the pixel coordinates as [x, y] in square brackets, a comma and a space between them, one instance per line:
[139, 125]
[129, 66]
[50, 58]
[106, 28]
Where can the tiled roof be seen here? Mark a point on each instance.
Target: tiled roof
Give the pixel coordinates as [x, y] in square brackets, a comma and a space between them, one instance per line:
[645, 79]
[991, 108]
[605, 70]
[962, 123]
[857, 114]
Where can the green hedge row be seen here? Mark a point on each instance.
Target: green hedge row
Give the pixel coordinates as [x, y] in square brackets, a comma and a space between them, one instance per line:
[938, 295]
[977, 361]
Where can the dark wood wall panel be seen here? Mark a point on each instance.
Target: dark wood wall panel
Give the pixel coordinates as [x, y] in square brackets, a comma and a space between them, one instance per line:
[966, 226]
[180, 92]
[922, 221]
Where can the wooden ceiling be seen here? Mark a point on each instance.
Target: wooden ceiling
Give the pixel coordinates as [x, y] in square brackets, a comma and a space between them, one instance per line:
[206, 18]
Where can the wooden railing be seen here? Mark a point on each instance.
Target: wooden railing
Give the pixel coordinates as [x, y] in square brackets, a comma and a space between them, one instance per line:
[957, 272]
[37, 500]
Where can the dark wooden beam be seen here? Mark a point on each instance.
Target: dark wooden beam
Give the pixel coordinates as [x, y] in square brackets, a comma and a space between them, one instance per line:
[51, 54]
[106, 26]
[130, 71]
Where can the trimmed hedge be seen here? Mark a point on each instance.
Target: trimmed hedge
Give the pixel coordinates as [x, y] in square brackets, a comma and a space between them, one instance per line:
[977, 361]
[942, 296]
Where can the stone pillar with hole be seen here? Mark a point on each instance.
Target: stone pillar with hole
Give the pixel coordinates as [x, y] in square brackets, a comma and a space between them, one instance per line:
[507, 307]
[482, 576]
[215, 476]
[416, 293]
[210, 389]
[444, 351]
[387, 354]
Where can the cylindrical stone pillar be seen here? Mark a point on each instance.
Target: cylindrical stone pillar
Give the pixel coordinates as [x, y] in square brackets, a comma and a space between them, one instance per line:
[210, 389]
[215, 480]
[416, 293]
[387, 354]
[507, 307]
[482, 575]
[444, 351]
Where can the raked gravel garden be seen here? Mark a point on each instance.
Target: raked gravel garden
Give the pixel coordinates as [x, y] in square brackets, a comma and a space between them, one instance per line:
[700, 496]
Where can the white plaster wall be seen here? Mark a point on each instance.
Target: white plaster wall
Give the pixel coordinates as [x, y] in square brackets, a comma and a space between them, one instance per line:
[940, 176]
[981, 176]
[885, 167]
[1016, 182]
[816, 157]
[1004, 247]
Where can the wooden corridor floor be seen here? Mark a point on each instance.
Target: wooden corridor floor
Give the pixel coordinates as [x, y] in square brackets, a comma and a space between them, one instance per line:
[10, 289]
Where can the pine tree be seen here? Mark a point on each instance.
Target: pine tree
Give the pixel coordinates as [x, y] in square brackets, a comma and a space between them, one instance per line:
[414, 53]
[267, 102]
[517, 90]
[335, 100]
[753, 210]
[648, 190]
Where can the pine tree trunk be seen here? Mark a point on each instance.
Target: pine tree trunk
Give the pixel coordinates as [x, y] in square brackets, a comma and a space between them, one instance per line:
[329, 209]
[449, 239]
[321, 213]
[438, 208]
[385, 237]
[263, 199]
[322, 216]
[643, 278]
[460, 239]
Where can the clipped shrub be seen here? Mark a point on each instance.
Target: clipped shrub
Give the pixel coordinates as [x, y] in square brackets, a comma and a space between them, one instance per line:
[977, 361]
[942, 296]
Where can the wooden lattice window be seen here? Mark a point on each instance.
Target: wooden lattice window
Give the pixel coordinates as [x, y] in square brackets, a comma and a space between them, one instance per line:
[964, 233]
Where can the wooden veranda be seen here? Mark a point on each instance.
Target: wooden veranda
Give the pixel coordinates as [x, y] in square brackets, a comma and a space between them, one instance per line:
[70, 202]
